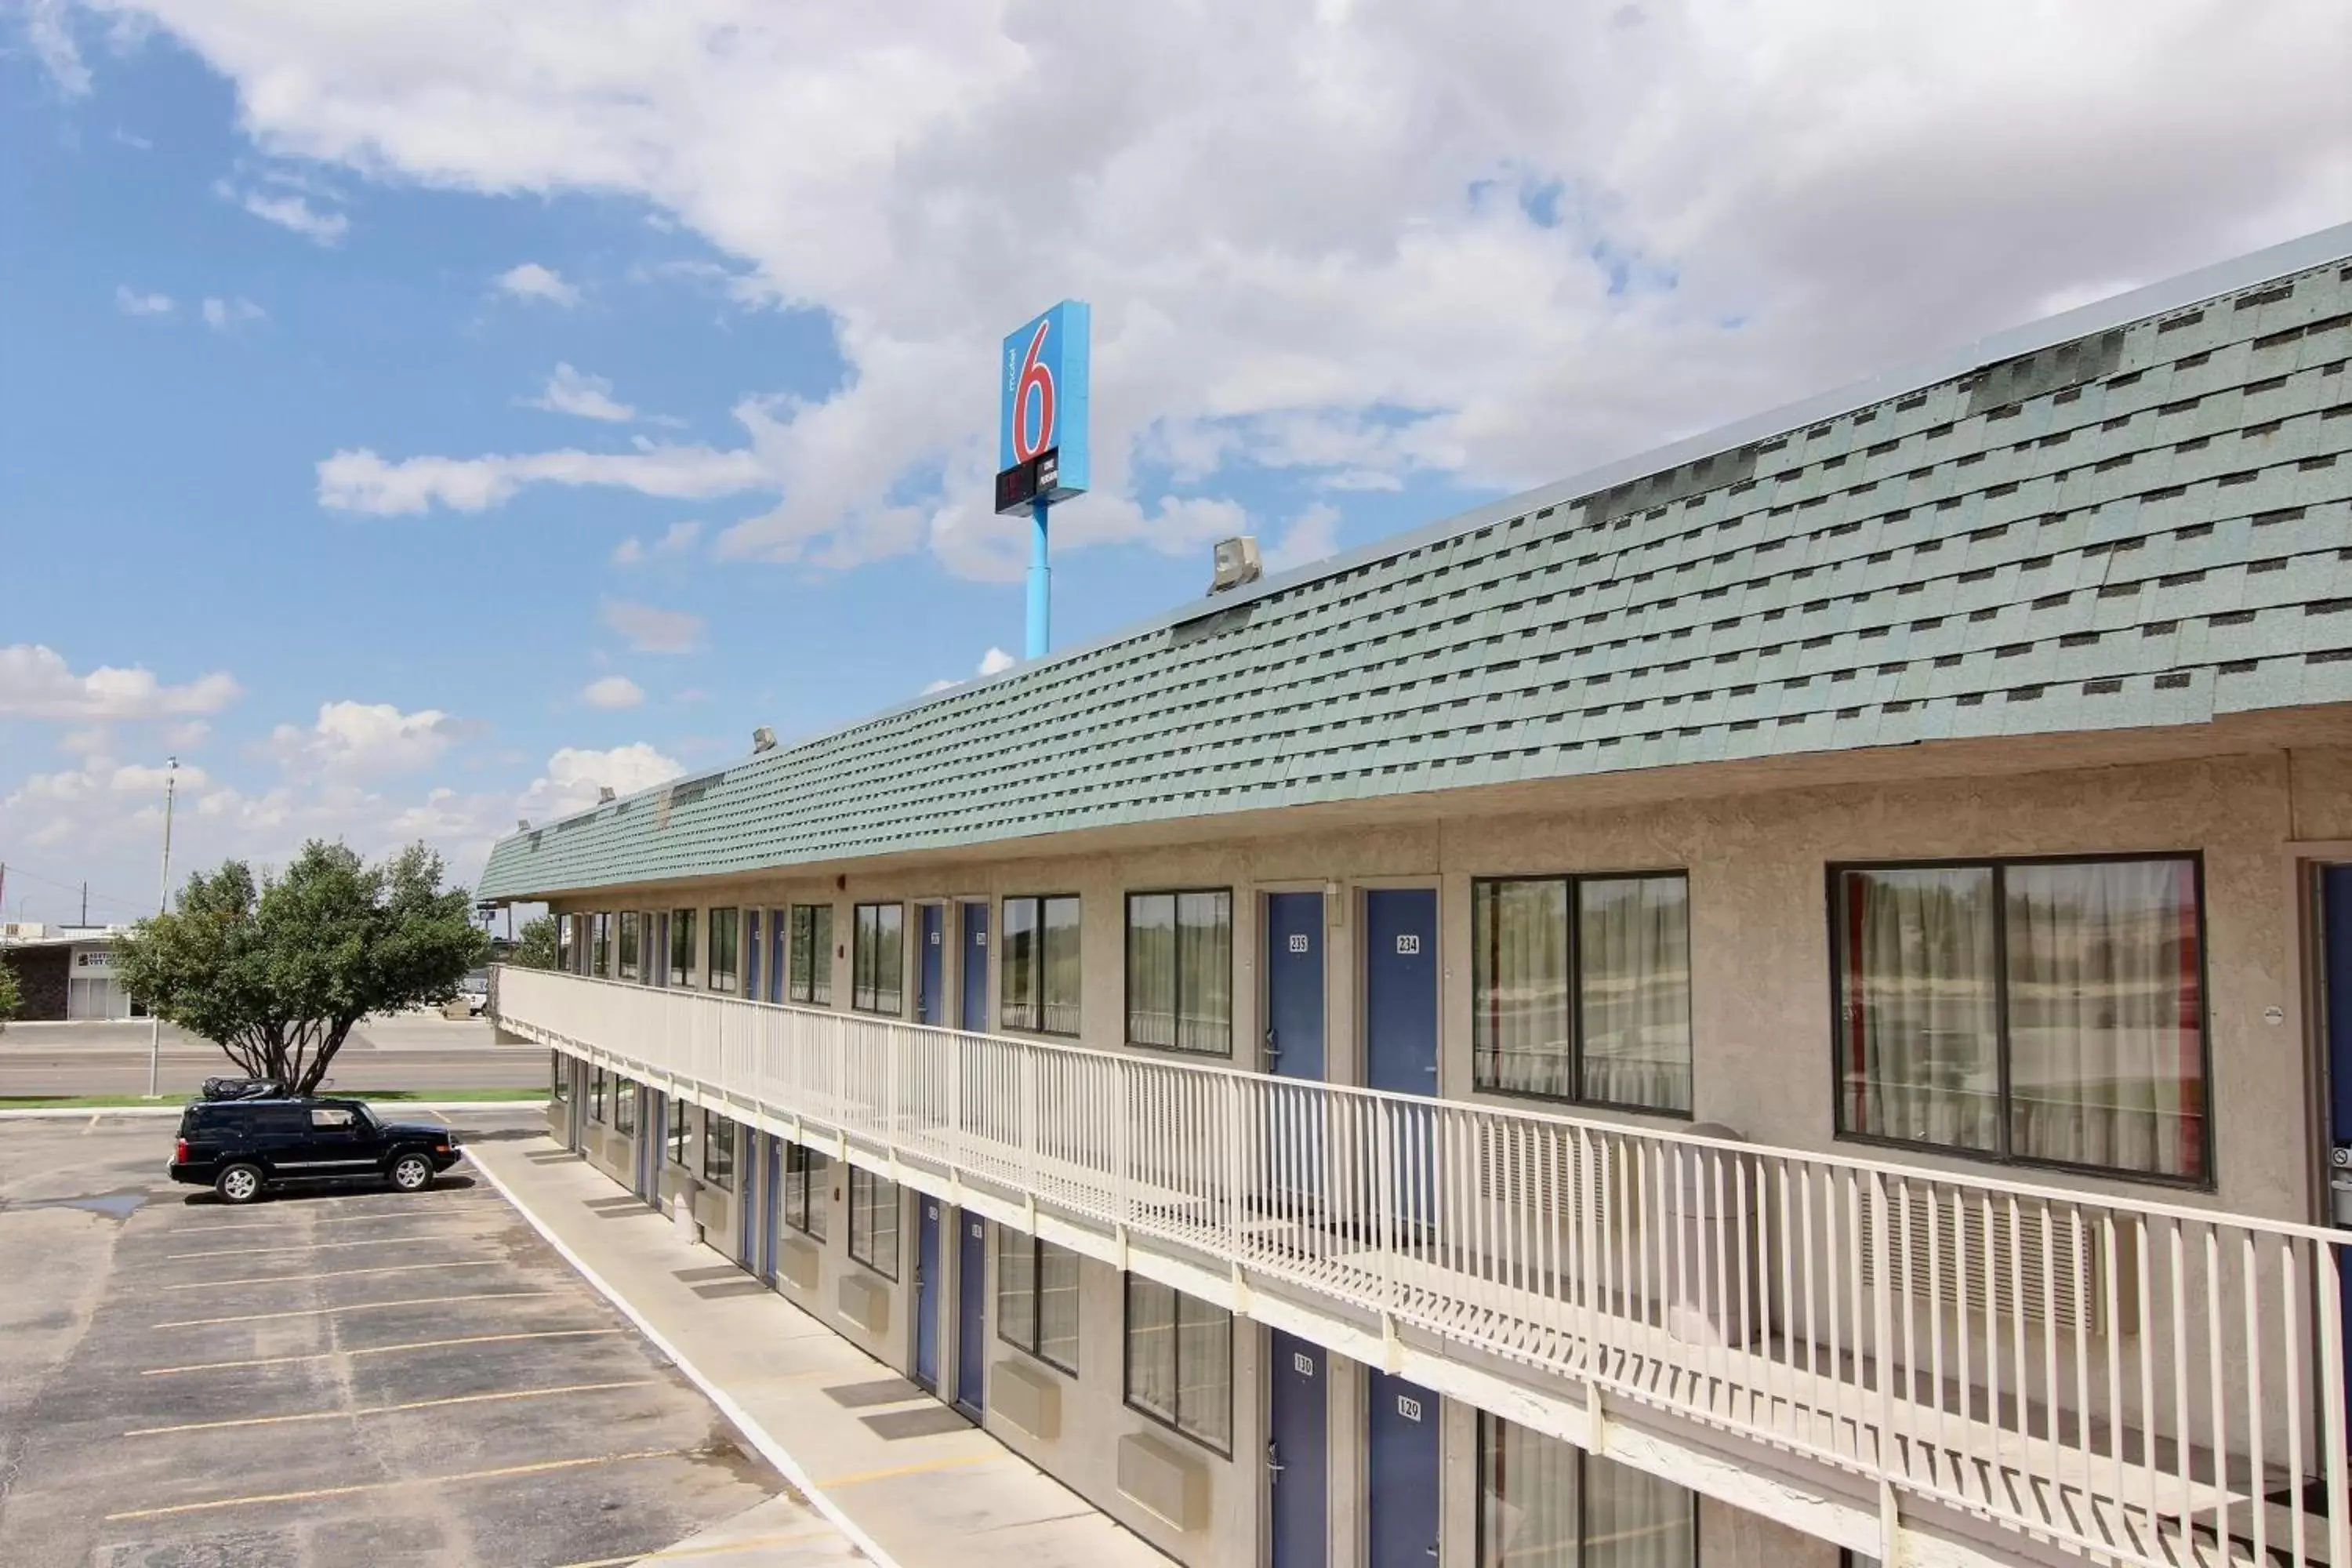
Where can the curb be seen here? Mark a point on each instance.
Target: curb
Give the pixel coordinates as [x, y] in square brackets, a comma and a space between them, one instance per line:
[741, 1418]
[76, 1114]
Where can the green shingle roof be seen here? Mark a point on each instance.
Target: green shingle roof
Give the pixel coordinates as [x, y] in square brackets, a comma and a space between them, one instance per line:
[2136, 514]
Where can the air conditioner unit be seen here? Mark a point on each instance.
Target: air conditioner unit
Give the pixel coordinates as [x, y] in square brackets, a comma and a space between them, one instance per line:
[1236, 562]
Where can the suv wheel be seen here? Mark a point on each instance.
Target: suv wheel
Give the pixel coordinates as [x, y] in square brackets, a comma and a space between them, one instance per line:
[412, 1172]
[238, 1183]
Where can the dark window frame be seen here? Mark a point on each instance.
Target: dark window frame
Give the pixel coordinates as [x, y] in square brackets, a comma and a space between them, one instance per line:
[567, 944]
[2209, 1178]
[680, 1135]
[681, 932]
[897, 1195]
[628, 946]
[727, 981]
[600, 959]
[814, 1169]
[813, 987]
[1584, 1457]
[625, 1091]
[1572, 881]
[865, 986]
[1036, 1245]
[598, 1088]
[1127, 968]
[558, 1088]
[1003, 936]
[1176, 1364]
[718, 1132]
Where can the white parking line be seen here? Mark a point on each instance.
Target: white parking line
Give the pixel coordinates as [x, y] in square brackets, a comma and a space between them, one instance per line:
[381, 1350]
[358, 1307]
[391, 1409]
[334, 1274]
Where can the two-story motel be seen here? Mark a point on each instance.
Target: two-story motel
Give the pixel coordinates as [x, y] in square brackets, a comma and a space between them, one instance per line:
[1788, 998]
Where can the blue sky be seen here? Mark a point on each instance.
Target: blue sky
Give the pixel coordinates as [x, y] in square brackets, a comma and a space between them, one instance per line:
[411, 432]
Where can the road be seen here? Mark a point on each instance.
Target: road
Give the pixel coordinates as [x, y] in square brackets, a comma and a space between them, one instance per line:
[332, 1378]
[412, 1050]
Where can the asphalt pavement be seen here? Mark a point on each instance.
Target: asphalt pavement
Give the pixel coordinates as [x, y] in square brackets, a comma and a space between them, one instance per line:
[352, 1376]
[411, 1050]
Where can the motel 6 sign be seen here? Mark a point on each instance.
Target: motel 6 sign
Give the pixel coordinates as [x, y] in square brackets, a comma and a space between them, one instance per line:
[1042, 409]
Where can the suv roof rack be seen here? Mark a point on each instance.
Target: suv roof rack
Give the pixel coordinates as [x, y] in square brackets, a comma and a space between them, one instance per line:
[243, 1089]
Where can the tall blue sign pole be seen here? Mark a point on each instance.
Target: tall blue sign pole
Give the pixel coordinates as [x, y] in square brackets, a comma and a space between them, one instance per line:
[1042, 449]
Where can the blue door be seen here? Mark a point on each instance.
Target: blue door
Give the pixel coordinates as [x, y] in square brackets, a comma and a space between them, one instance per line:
[971, 1310]
[2336, 917]
[926, 1295]
[1294, 1048]
[1293, 985]
[974, 1014]
[1400, 1474]
[779, 953]
[930, 983]
[1401, 1043]
[1296, 1451]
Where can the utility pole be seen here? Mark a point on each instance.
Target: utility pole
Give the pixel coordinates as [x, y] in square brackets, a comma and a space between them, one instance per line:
[163, 906]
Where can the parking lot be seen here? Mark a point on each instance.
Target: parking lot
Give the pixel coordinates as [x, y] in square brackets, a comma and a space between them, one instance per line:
[351, 1377]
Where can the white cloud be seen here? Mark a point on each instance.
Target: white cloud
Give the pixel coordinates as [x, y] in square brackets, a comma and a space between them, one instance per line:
[995, 661]
[1356, 243]
[365, 740]
[37, 683]
[133, 139]
[134, 302]
[1310, 536]
[652, 630]
[47, 29]
[187, 734]
[569, 391]
[102, 776]
[574, 775]
[362, 481]
[531, 281]
[612, 692]
[296, 213]
[225, 315]
[676, 539]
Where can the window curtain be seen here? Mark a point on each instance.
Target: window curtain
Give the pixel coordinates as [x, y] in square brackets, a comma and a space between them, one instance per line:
[1204, 956]
[1151, 970]
[1061, 966]
[1519, 1007]
[1058, 1305]
[1918, 1033]
[1544, 1504]
[2106, 1020]
[1017, 999]
[1204, 1352]
[1151, 1347]
[1016, 1289]
[1633, 974]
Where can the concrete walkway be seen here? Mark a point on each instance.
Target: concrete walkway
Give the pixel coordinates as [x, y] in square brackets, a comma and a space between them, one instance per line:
[943, 1495]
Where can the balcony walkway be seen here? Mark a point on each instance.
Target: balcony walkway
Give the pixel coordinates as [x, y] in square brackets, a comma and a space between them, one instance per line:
[930, 1499]
[1980, 1345]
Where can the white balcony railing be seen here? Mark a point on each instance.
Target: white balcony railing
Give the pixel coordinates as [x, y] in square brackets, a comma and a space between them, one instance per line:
[2151, 1383]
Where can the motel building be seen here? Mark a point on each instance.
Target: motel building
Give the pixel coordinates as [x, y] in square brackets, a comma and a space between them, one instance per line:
[1784, 1002]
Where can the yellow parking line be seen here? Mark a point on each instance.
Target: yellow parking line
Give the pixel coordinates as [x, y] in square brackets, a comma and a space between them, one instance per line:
[708, 1549]
[380, 1350]
[356, 1307]
[308, 1246]
[390, 1409]
[331, 1274]
[862, 1476]
[543, 1467]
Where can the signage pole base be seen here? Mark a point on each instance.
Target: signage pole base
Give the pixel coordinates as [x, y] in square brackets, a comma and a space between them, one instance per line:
[1041, 586]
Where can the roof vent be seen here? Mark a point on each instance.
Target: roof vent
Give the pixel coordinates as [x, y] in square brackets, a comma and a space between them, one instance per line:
[763, 740]
[603, 794]
[522, 825]
[1236, 562]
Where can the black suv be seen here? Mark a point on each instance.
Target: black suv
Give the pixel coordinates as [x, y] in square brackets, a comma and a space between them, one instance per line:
[245, 1136]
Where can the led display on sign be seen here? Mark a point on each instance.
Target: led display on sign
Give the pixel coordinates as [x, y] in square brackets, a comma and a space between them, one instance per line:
[1042, 447]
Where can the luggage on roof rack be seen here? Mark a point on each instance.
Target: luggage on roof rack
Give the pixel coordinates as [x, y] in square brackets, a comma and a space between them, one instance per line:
[242, 1089]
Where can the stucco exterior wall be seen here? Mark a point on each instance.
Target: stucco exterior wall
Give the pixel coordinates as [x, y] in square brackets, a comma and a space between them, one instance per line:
[1758, 864]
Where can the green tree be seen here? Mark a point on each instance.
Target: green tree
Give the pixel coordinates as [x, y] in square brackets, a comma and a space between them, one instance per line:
[10, 997]
[535, 948]
[277, 974]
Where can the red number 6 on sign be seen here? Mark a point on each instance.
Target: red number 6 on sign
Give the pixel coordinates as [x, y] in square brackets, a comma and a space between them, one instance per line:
[1034, 377]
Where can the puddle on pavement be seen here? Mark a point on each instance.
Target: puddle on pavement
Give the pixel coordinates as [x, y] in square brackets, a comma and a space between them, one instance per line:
[113, 1205]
